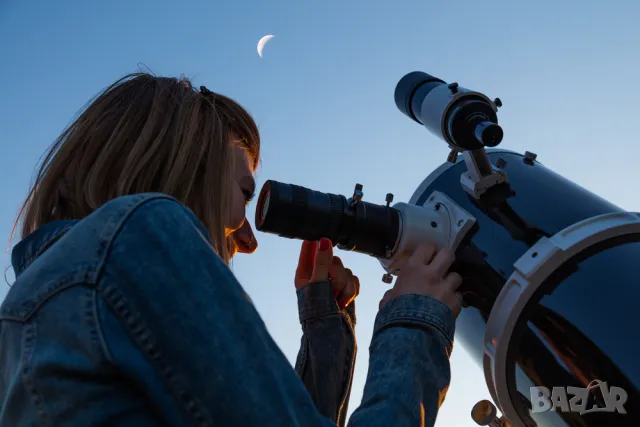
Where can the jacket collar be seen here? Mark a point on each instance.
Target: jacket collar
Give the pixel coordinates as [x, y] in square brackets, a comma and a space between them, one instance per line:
[32, 246]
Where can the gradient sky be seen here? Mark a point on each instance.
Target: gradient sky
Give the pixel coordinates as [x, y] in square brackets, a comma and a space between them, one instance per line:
[322, 95]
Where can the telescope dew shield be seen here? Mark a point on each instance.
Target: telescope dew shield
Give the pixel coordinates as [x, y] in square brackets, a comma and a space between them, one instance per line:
[300, 213]
[465, 119]
[566, 318]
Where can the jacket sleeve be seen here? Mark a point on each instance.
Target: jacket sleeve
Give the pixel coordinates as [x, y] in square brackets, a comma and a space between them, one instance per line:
[328, 349]
[409, 370]
[191, 320]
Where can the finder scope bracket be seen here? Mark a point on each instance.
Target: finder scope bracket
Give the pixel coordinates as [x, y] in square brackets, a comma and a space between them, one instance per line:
[481, 174]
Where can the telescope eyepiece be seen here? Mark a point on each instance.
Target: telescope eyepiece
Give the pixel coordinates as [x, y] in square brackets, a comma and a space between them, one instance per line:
[489, 134]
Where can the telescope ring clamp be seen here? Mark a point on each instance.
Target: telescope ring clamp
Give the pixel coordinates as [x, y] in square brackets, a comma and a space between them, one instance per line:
[531, 271]
[438, 220]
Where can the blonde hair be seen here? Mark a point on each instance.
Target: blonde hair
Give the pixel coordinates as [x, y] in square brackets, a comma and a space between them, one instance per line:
[145, 134]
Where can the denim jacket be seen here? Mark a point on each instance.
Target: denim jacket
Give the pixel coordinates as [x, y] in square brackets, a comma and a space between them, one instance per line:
[129, 318]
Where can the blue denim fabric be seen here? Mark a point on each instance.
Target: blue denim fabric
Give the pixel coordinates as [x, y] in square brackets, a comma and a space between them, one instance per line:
[129, 318]
[327, 354]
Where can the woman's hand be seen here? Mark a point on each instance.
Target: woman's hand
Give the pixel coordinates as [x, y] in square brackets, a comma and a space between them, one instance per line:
[325, 291]
[427, 273]
[317, 264]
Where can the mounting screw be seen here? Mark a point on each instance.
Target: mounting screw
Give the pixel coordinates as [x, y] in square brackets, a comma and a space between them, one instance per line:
[357, 194]
[498, 102]
[529, 156]
[387, 278]
[500, 163]
[460, 222]
[453, 87]
[453, 156]
[389, 199]
[437, 206]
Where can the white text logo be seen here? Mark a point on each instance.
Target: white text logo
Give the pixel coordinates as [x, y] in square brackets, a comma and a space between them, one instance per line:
[574, 399]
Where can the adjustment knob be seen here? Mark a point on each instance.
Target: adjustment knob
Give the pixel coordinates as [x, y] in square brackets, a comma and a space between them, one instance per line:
[389, 199]
[485, 413]
[357, 193]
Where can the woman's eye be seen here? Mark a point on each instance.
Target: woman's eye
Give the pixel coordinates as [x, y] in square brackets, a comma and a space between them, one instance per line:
[248, 196]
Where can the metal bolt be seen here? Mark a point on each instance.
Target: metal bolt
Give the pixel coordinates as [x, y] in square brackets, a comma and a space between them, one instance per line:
[357, 193]
[530, 156]
[460, 222]
[453, 87]
[438, 206]
[387, 278]
[500, 163]
[453, 156]
[498, 102]
[389, 199]
[434, 224]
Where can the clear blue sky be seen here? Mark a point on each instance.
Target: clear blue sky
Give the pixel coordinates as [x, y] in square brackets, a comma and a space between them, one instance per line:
[323, 98]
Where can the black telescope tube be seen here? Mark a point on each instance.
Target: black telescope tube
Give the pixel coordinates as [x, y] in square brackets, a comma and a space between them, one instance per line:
[296, 212]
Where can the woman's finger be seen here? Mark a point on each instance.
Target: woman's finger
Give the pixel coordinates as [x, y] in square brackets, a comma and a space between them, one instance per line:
[443, 261]
[453, 281]
[338, 276]
[306, 263]
[423, 254]
[457, 305]
[348, 293]
[386, 297]
[323, 258]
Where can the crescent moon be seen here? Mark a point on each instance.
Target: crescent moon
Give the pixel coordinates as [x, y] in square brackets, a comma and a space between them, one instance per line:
[262, 42]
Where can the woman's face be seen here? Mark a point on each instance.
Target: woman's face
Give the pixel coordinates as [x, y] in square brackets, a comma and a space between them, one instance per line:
[243, 187]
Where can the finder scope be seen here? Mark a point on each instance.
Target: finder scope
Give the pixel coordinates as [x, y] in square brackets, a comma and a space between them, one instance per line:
[465, 119]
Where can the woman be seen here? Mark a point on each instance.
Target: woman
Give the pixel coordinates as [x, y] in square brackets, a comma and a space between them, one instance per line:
[124, 311]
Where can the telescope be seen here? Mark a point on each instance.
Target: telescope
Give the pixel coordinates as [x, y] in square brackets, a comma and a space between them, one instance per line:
[551, 271]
